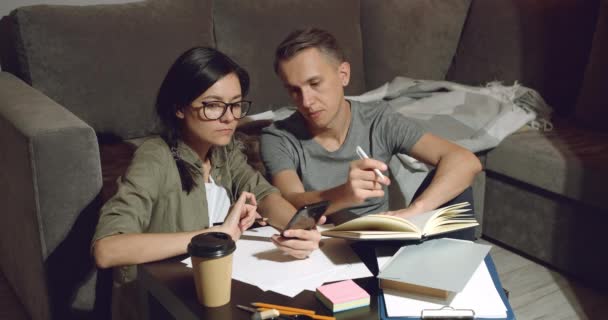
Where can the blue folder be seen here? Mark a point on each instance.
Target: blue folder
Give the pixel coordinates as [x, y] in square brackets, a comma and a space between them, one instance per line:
[493, 274]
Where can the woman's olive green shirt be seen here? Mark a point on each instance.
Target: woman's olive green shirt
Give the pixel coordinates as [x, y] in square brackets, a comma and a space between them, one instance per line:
[150, 198]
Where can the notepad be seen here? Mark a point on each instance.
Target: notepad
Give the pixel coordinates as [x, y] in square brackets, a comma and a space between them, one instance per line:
[343, 295]
[480, 294]
[436, 268]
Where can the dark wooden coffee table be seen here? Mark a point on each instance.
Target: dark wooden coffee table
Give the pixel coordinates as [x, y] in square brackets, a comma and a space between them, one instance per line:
[168, 292]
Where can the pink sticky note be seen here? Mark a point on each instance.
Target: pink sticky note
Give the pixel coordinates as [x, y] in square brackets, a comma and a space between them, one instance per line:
[342, 295]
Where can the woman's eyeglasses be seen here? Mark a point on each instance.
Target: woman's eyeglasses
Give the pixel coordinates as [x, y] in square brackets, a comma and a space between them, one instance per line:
[213, 110]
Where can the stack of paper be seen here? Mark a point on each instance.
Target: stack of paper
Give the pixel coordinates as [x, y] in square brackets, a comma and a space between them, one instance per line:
[479, 293]
[436, 267]
[257, 261]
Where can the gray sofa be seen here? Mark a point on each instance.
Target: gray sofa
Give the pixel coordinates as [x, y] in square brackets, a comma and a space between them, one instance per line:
[71, 72]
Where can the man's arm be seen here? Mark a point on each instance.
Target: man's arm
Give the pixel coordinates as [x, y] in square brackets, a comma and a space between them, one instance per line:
[280, 158]
[456, 169]
[278, 210]
[362, 183]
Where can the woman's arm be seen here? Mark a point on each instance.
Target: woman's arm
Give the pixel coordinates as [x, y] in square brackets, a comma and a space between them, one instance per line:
[136, 248]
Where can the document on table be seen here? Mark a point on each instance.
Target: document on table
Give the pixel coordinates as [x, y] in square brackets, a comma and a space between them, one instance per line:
[479, 294]
[445, 264]
[257, 261]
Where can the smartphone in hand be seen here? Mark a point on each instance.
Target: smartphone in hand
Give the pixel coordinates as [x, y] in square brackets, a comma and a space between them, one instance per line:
[307, 217]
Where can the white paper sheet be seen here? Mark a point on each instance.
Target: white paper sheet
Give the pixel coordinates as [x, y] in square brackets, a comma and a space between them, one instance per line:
[257, 261]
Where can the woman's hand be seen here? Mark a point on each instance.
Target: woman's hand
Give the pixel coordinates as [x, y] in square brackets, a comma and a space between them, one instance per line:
[241, 216]
[301, 243]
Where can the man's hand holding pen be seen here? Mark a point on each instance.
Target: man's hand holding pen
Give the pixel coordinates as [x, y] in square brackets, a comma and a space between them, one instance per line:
[365, 180]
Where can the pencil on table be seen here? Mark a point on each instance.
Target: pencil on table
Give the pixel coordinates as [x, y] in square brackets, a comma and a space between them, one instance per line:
[320, 317]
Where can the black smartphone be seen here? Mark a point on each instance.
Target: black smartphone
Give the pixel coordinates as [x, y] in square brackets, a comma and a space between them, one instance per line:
[307, 216]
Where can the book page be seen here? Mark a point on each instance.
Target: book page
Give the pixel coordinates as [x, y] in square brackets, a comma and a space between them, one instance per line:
[449, 218]
[420, 220]
[452, 226]
[376, 222]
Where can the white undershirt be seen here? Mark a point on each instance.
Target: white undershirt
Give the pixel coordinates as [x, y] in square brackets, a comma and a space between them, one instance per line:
[218, 202]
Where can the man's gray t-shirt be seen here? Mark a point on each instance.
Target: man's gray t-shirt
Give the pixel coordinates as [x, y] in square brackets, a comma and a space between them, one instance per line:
[376, 127]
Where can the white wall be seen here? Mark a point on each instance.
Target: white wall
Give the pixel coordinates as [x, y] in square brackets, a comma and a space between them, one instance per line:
[7, 5]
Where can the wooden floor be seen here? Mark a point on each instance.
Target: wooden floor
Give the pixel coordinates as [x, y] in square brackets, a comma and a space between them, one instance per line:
[539, 293]
[535, 292]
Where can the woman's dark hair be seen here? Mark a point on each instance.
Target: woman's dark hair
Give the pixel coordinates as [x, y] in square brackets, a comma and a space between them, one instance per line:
[195, 71]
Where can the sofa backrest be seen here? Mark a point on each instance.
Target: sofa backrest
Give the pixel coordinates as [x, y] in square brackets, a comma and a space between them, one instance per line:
[417, 39]
[592, 104]
[249, 31]
[102, 61]
[105, 63]
[542, 44]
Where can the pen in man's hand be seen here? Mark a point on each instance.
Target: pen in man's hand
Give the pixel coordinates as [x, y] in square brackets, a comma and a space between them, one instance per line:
[260, 220]
[363, 155]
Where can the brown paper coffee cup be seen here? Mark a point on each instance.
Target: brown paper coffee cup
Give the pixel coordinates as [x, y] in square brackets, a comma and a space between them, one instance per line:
[212, 267]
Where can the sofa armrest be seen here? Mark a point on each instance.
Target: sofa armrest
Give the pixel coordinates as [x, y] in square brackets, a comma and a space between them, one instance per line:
[50, 173]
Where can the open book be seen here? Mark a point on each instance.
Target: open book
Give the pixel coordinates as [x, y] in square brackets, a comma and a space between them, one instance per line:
[420, 226]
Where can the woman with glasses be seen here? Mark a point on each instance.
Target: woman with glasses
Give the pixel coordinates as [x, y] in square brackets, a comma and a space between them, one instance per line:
[193, 179]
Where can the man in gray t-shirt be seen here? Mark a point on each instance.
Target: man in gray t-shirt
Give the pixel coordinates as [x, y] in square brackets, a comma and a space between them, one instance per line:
[311, 155]
[375, 127]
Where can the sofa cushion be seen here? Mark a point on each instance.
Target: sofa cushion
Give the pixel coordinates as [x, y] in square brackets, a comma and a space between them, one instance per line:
[416, 39]
[249, 31]
[566, 234]
[105, 63]
[567, 161]
[592, 108]
[542, 44]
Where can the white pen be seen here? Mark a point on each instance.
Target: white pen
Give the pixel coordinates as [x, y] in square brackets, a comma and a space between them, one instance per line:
[363, 155]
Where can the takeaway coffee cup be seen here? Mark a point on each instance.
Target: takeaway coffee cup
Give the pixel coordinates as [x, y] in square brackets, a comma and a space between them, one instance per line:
[212, 267]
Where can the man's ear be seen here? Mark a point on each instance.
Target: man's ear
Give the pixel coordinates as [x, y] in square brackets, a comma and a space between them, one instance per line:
[344, 73]
[179, 114]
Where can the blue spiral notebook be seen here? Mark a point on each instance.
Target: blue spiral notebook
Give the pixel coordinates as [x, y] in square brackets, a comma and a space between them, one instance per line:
[493, 273]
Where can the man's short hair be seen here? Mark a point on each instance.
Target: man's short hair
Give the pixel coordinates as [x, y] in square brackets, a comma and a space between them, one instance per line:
[299, 40]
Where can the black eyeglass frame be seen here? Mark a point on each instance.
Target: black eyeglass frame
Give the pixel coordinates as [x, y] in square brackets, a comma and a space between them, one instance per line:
[204, 104]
